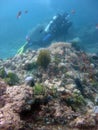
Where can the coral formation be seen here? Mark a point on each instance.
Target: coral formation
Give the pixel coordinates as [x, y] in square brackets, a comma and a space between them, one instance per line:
[63, 95]
[13, 100]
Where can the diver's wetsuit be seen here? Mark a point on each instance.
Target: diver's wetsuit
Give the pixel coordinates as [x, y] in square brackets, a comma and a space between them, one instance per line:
[57, 27]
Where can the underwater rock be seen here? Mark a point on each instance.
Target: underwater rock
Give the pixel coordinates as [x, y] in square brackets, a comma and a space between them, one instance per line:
[70, 73]
[75, 40]
[96, 100]
[59, 48]
[29, 81]
[3, 87]
[79, 85]
[76, 67]
[84, 122]
[48, 84]
[61, 65]
[64, 83]
[70, 87]
[95, 57]
[92, 65]
[15, 100]
[61, 89]
[76, 91]
[27, 65]
[95, 109]
[75, 43]
[59, 113]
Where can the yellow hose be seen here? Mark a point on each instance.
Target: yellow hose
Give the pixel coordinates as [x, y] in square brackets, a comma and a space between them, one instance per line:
[22, 49]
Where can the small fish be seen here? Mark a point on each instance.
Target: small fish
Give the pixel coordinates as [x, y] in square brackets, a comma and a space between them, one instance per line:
[96, 26]
[19, 14]
[73, 11]
[26, 11]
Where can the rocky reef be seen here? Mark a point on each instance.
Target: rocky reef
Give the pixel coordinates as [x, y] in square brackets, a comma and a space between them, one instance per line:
[61, 94]
[13, 100]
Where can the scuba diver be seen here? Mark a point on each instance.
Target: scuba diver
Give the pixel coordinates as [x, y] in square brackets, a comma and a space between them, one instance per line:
[43, 36]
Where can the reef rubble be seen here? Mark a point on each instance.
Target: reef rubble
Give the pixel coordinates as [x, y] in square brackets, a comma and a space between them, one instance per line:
[64, 96]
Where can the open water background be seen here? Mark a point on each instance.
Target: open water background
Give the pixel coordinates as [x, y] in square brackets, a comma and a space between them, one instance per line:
[13, 31]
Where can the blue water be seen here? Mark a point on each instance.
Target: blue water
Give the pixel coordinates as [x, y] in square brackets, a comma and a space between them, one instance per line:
[13, 31]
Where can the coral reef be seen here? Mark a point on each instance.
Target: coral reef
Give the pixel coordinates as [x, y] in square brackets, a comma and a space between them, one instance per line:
[61, 94]
[13, 100]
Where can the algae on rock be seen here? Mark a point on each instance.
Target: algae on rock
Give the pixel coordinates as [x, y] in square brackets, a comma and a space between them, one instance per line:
[44, 59]
[11, 78]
